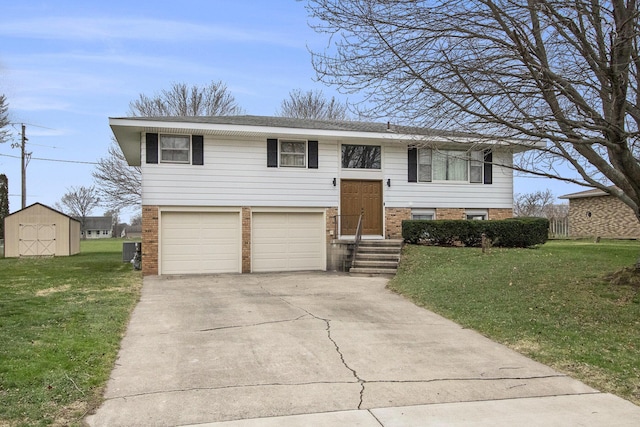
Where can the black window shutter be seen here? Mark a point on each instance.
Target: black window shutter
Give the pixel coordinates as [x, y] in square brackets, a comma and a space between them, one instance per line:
[197, 150]
[152, 148]
[412, 165]
[312, 147]
[272, 153]
[488, 167]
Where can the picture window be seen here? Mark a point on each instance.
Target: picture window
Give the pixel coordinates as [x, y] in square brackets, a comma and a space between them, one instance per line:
[361, 156]
[450, 165]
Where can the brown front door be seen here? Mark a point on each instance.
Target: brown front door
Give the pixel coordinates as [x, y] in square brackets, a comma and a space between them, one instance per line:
[360, 196]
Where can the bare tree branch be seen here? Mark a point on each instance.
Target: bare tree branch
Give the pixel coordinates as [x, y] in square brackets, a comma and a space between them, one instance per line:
[565, 73]
[213, 99]
[312, 104]
[79, 202]
[4, 118]
[119, 183]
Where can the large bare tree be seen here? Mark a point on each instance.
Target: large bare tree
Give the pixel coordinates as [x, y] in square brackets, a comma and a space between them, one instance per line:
[539, 203]
[180, 99]
[313, 104]
[119, 183]
[562, 74]
[79, 202]
[4, 118]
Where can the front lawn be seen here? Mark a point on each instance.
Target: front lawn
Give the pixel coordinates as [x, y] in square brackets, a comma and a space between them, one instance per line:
[553, 303]
[61, 322]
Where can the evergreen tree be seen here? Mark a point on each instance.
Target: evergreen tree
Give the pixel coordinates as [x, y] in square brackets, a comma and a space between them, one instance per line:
[4, 202]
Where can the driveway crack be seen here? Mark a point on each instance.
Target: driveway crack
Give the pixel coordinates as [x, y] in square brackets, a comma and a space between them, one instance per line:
[327, 322]
[249, 325]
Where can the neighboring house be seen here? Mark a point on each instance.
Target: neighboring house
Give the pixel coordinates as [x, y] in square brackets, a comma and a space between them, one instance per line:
[594, 213]
[131, 231]
[98, 227]
[256, 194]
[39, 230]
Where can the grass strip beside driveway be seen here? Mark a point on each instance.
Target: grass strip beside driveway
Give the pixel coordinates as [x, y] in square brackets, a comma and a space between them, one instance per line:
[553, 303]
[61, 322]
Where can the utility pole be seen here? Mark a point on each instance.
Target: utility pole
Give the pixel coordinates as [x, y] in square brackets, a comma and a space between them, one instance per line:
[24, 168]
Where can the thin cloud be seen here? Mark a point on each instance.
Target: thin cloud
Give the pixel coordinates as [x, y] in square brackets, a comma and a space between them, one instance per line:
[32, 103]
[144, 29]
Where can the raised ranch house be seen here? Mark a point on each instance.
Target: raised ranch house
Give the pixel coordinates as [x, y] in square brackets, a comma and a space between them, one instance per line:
[594, 213]
[258, 194]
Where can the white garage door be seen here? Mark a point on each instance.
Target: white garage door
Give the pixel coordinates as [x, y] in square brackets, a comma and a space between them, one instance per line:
[287, 242]
[200, 242]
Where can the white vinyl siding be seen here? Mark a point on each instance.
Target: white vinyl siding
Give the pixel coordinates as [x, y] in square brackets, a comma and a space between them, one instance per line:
[287, 241]
[199, 242]
[235, 174]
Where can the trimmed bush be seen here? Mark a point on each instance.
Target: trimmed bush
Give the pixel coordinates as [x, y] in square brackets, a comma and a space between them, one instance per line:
[508, 233]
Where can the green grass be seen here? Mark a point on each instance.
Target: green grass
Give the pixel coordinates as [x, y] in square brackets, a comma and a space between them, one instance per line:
[552, 303]
[61, 322]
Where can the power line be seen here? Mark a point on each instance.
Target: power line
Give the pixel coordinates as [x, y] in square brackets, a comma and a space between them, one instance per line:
[31, 124]
[53, 160]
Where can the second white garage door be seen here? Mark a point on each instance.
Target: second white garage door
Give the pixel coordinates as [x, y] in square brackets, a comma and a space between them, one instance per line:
[200, 242]
[287, 241]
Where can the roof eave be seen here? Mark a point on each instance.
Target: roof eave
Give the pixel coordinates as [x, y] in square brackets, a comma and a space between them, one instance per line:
[128, 134]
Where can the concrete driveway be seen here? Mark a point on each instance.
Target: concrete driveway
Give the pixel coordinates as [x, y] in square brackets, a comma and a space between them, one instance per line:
[341, 350]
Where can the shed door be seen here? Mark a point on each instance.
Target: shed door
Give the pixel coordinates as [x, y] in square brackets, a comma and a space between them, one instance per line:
[287, 241]
[37, 240]
[200, 242]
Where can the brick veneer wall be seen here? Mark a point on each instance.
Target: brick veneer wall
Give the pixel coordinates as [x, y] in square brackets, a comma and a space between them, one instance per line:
[500, 213]
[246, 240]
[450, 213]
[393, 221]
[150, 240]
[330, 216]
[603, 216]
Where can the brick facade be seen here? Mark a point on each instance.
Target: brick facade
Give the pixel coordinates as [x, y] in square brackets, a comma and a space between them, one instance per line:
[393, 230]
[330, 215]
[393, 223]
[602, 216]
[246, 240]
[450, 213]
[500, 213]
[150, 240]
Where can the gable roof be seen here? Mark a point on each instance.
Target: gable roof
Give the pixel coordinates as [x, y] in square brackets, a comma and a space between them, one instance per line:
[44, 206]
[594, 192]
[98, 223]
[127, 130]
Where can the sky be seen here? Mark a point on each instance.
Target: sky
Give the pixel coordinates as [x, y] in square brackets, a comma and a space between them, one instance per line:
[67, 66]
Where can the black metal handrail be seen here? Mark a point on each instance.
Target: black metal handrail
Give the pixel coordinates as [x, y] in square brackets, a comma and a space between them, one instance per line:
[342, 223]
[358, 237]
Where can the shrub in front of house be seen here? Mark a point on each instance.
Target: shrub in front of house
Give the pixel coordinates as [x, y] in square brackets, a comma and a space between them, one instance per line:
[508, 233]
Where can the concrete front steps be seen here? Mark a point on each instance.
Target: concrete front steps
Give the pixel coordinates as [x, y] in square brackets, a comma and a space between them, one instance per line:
[377, 257]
